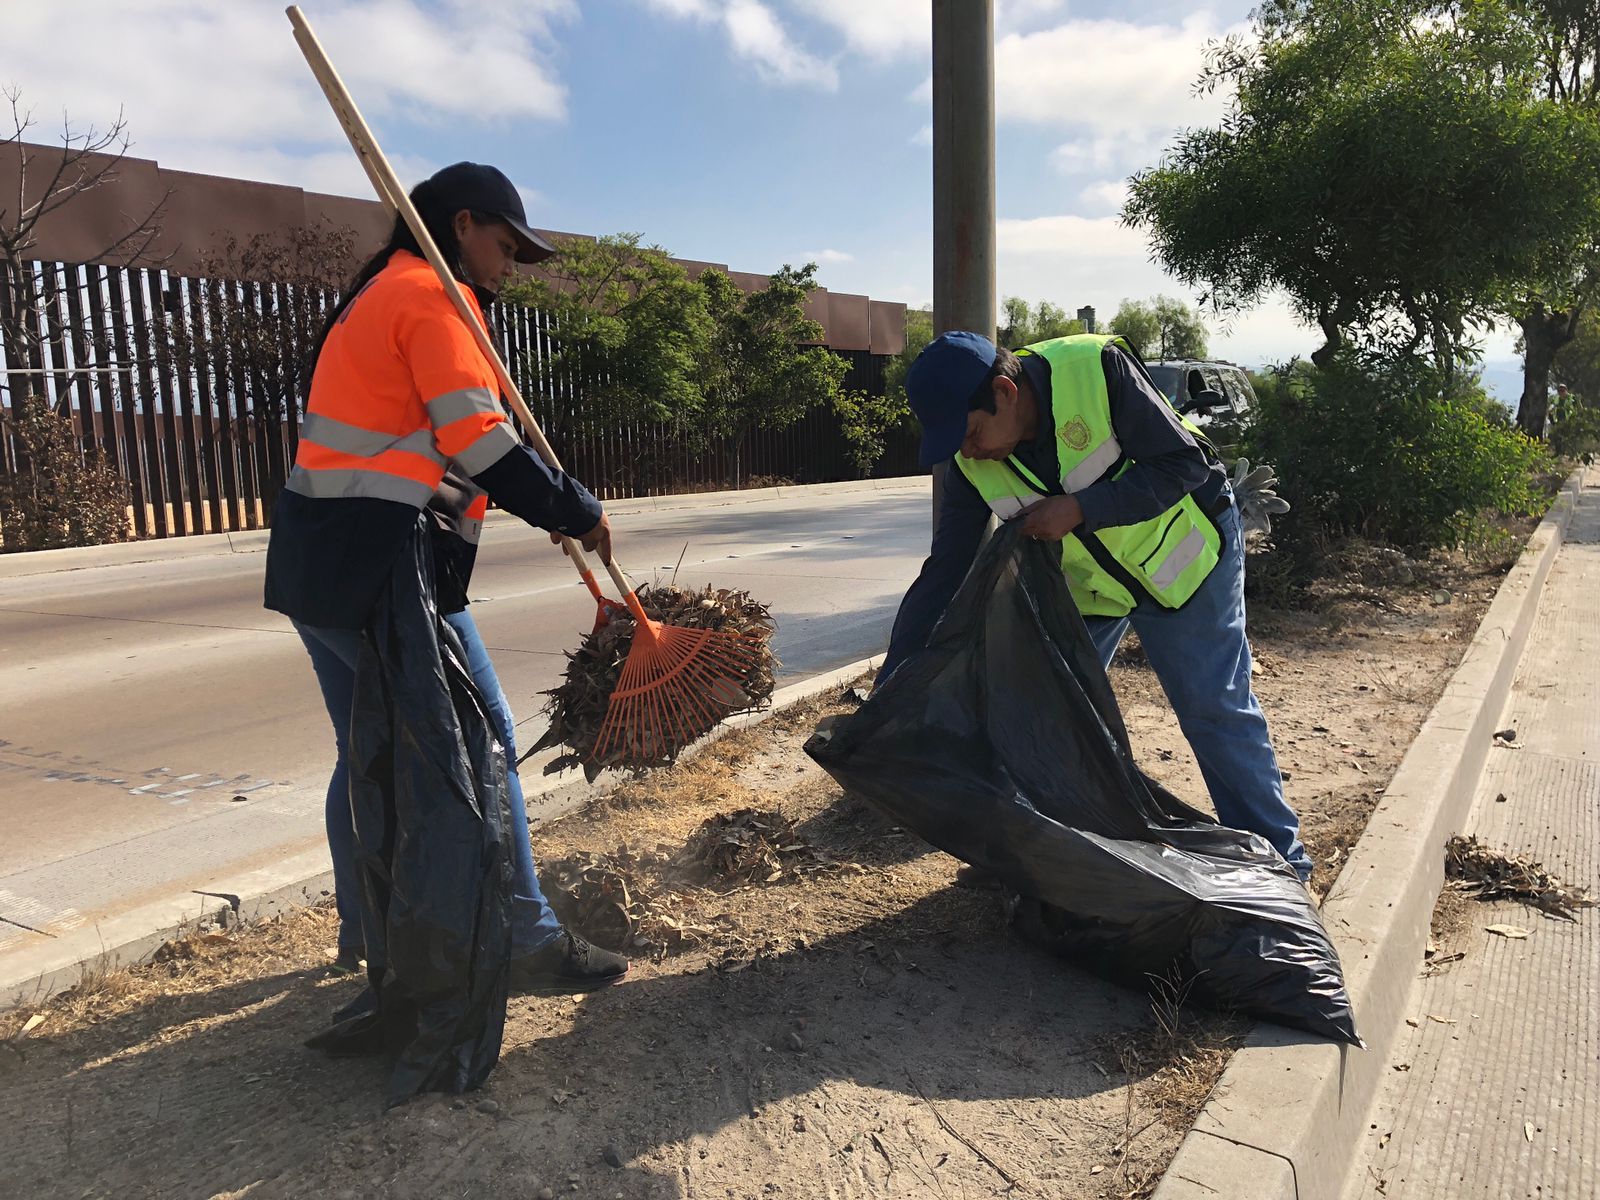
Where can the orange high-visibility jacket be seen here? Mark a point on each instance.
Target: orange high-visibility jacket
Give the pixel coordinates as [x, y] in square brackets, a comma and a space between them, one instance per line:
[399, 390]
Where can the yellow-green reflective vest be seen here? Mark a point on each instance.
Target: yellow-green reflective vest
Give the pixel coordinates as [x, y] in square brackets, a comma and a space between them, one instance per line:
[1108, 570]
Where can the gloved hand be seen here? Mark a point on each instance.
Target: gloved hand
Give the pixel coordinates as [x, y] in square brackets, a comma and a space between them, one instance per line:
[1253, 493]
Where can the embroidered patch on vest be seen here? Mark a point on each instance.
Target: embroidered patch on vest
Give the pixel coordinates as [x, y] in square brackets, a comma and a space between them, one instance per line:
[1075, 433]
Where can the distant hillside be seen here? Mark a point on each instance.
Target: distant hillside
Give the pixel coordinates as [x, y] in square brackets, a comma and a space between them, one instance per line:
[1502, 379]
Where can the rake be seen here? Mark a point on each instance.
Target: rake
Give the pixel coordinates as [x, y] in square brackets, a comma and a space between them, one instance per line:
[676, 683]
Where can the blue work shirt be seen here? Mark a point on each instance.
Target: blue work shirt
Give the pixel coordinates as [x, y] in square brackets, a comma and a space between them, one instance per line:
[1166, 464]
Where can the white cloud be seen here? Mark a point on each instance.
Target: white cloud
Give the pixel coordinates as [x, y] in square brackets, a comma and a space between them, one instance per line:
[827, 257]
[1106, 196]
[1013, 15]
[699, 10]
[1108, 77]
[877, 28]
[923, 136]
[208, 87]
[1071, 235]
[757, 35]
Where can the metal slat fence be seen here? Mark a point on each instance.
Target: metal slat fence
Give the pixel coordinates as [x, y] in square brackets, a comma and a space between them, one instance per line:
[203, 429]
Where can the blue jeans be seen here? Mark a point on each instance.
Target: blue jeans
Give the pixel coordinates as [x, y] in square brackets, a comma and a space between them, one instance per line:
[1202, 657]
[333, 658]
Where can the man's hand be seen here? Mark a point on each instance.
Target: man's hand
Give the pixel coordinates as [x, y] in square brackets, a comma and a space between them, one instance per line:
[596, 540]
[1052, 519]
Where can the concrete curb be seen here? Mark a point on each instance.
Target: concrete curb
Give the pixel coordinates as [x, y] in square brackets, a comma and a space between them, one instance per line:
[254, 541]
[306, 877]
[1287, 1113]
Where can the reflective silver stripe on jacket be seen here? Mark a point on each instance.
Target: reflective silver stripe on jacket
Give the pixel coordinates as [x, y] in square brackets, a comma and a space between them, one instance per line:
[1006, 507]
[347, 484]
[1183, 556]
[1101, 459]
[496, 442]
[453, 406]
[369, 443]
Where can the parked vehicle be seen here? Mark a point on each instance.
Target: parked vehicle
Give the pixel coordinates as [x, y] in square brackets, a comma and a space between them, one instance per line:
[1206, 391]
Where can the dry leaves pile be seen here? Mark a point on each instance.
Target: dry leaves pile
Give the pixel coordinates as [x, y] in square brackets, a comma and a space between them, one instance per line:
[1486, 874]
[654, 902]
[618, 900]
[577, 707]
[748, 847]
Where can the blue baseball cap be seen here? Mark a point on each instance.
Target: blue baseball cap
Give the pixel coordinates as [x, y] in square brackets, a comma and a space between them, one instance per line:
[939, 385]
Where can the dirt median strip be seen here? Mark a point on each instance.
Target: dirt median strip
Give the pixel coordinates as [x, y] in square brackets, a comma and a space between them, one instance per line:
[816, 1003]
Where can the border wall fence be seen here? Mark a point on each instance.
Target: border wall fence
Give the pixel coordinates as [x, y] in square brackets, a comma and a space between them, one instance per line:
[203, 431]
[204, 437]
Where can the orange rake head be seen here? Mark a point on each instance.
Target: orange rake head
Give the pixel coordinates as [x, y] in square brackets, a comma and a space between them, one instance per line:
[676, 685]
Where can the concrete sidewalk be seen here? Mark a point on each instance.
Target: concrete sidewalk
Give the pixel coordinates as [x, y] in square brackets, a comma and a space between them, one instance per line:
[1494, 1086]
[1291, 1115]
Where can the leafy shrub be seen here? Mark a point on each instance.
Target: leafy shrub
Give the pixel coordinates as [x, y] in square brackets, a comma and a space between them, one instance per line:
[59, 496]
[1385, 451]
[865, 423]
[1576, 433]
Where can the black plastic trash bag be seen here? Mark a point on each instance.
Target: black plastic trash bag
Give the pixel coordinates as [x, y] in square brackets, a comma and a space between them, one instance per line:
[429, 795]
[1002, 744]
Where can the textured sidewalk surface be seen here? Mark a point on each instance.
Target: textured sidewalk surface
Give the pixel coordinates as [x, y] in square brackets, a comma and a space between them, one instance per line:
[1494, 1092]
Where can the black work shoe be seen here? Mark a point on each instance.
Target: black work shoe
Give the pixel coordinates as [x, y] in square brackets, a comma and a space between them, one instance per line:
[349, 961]
[568, 964]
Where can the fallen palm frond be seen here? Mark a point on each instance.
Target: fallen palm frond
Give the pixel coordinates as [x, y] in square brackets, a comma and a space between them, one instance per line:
[1485, 874]
[578, 706]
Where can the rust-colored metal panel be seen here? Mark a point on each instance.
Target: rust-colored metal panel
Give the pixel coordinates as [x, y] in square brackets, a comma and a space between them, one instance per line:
[367, 217]
[888, 327]
[819, 310]
[849, 322]
[696, 268]
[95, 219]
[750, 281]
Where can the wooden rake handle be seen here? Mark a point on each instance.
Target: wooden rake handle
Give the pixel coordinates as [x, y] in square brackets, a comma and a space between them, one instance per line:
[395, 199]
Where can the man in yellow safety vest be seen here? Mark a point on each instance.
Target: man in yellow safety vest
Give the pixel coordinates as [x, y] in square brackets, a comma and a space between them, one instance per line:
[1073, 438]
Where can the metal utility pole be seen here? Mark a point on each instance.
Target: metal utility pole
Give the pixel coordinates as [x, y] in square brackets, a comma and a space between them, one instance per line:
[963, 173]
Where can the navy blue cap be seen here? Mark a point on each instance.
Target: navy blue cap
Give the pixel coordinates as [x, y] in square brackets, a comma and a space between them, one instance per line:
[483, 189]
[939, 385]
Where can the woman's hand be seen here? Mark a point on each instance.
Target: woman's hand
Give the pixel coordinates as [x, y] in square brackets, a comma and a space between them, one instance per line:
[597, 540]
[1052, 519]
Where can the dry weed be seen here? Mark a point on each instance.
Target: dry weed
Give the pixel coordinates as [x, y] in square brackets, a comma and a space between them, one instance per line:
[1484, 874]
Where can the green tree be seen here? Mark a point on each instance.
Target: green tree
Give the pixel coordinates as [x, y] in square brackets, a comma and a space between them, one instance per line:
[1161, 329]
[866, 422]
[757, 371]
[1401, 179]
[1022, 325]
[627, 332]
[919, 332]
[1577, 364]
[1383, 448]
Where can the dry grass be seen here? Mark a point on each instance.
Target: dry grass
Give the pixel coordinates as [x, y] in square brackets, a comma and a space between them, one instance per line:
[1172, 1066]
[192, 963]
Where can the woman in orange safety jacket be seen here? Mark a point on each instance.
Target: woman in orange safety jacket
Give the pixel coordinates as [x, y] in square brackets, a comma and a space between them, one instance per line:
[404, 414]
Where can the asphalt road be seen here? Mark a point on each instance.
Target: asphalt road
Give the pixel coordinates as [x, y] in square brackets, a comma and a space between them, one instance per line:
[160, 729]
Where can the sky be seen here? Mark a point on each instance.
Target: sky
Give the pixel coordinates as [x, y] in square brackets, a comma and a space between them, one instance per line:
[747, 132]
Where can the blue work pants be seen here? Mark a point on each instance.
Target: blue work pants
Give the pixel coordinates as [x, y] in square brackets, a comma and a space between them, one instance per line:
[1202, 657]
[333, 658]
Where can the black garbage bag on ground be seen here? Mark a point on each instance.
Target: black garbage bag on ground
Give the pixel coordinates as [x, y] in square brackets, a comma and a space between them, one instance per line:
[433, 850]
[1002, 744]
